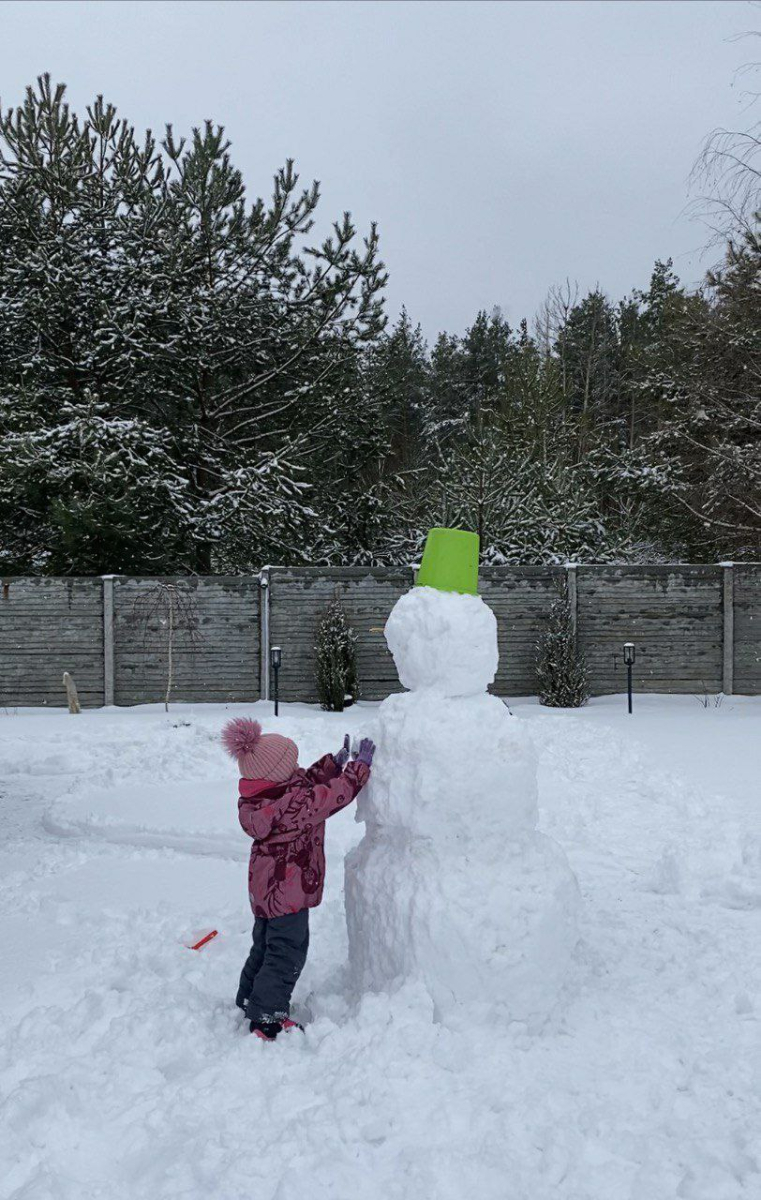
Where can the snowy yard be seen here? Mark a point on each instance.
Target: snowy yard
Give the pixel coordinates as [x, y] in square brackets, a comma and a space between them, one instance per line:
[125, 1070]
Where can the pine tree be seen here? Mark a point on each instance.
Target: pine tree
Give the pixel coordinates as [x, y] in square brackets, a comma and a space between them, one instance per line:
[590, 350]
[398, 376]
[141, 279]
[486, 350]
[92, 494]
[336, 660]
[448, 408]
[561, 673]
[694, 474]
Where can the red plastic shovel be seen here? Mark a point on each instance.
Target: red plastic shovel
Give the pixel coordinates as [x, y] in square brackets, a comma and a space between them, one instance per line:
[202, 941]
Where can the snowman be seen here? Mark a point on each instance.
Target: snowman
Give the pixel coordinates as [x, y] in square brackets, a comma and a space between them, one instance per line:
[452, 885]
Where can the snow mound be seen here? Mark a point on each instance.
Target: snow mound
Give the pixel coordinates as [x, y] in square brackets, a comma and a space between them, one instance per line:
[452, 886]
[443, 640]
[197, 818]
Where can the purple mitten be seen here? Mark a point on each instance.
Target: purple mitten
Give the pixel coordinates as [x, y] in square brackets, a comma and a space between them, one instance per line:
[341, 758]
[366, 752]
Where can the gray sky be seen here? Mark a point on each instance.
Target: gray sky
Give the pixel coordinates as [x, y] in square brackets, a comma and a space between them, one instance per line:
[500, 146]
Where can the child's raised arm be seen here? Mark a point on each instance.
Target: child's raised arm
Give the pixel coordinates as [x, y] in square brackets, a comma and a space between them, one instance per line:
[319, 793]
[324, 799]
[323, 770]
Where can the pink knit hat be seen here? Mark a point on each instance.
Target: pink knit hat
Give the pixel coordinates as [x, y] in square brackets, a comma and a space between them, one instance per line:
[260, 755]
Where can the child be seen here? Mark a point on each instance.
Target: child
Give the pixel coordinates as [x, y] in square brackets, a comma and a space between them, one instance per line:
[284, 809]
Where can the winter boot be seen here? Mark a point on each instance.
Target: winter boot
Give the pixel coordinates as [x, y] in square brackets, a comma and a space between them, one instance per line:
[288, 1024]
[266, 1030]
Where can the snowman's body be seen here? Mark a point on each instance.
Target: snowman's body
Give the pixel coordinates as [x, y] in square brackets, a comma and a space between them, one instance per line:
[452, 884]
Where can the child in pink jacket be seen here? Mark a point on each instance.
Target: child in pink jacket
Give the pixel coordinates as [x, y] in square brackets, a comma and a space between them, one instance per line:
[284, 809]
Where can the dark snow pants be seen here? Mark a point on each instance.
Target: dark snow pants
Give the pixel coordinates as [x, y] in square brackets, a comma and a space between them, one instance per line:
[275, 962]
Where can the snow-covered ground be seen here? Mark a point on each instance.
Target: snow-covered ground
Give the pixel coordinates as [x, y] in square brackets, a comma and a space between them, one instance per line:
[125, 1070]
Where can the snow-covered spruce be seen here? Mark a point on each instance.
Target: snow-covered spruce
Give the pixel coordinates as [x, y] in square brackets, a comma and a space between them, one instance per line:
[336, 660]
[561, 670]
[452, 885]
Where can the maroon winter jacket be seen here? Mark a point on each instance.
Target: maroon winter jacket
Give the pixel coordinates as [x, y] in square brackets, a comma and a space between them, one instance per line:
[287, 820]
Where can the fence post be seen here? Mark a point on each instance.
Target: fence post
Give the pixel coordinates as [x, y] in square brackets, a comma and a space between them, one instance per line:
[728, 641]
[573, 596]
[108, 639]
[264, 633]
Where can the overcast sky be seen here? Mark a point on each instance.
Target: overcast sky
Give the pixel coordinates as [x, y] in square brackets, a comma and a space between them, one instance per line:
[501, 147]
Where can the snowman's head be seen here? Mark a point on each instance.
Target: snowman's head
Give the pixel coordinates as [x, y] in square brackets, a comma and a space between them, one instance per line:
[444, 641]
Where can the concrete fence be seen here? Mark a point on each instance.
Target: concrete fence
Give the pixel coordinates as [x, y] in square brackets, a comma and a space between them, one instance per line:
[696, 628]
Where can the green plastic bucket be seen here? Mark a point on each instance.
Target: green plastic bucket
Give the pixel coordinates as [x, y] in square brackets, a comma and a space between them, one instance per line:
[450, 561]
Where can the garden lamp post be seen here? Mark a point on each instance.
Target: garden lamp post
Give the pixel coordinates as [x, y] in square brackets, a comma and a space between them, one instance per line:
[629, 656]
[276, 659]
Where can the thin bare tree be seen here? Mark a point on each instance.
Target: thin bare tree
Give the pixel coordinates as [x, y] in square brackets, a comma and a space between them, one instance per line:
[173, 610]
[727, 174]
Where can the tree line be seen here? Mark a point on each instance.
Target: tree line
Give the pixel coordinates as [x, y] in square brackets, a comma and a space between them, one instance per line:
[191, 380]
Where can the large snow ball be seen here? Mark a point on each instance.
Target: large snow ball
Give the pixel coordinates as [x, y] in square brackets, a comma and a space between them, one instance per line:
[452, 768]
[482, 936]
[443, 640]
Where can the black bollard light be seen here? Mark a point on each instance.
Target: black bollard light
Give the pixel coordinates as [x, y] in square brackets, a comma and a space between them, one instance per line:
[629, 656]
[276, 659]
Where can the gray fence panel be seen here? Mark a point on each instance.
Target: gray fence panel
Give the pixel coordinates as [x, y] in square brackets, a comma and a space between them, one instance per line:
[216, 646]
[48, 626]
[298, 598]
[674, 616]
[747, 629]
[521, 598]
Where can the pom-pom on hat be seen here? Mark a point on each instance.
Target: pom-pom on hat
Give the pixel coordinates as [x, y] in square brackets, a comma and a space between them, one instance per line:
[260, 755]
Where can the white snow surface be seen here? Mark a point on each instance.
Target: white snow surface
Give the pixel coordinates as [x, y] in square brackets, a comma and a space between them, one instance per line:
[452, 886]
[443, 640]
[126, 1072]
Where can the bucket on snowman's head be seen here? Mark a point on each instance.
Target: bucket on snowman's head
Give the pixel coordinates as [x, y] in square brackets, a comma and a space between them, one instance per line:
[450, 561]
